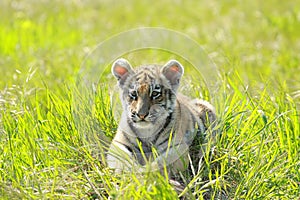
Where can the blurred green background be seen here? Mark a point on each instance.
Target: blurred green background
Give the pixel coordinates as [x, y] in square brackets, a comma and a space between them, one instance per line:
[258, 38]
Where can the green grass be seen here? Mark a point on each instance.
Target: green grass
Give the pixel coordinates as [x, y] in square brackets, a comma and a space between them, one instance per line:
[52, 141]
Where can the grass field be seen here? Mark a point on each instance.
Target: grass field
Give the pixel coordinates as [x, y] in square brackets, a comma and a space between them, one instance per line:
[51, 142]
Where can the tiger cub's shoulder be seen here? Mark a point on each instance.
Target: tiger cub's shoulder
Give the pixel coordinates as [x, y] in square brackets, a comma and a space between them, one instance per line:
[204, 108]
[197, 105]
[197, 111]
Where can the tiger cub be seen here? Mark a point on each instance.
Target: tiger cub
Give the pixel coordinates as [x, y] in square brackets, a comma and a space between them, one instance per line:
[158, 125]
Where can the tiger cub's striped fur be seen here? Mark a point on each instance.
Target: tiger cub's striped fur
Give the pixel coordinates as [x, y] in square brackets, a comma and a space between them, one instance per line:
[157, 125]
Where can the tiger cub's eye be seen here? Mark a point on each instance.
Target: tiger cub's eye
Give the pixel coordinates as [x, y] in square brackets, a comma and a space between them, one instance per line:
[155, 94]
[133, 95]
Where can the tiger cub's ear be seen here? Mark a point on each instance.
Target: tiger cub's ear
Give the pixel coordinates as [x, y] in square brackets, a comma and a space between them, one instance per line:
[173, 71]
[121, 69]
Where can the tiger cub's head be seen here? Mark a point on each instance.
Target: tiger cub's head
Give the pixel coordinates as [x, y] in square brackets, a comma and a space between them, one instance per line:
[148, 93]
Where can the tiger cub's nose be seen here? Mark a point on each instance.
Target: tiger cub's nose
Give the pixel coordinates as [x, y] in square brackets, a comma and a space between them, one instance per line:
[142, 116]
